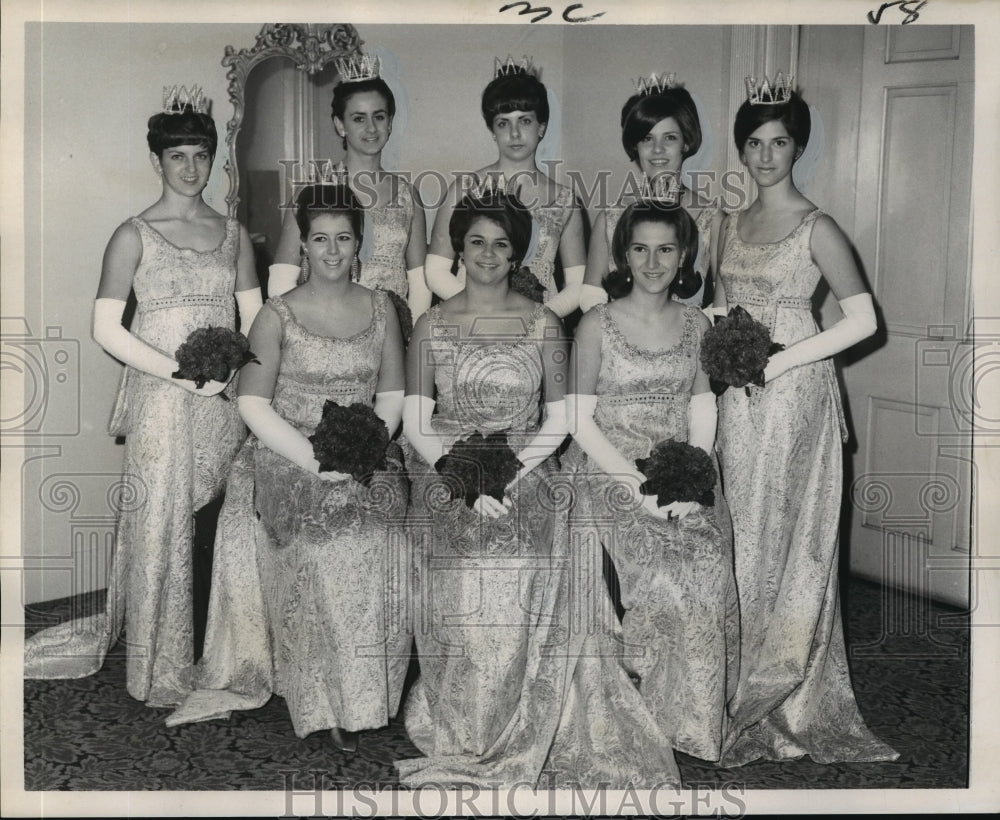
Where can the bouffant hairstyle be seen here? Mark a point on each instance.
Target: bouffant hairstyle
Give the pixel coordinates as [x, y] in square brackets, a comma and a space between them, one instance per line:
[618, 283]
[643, 111]
[794, 115]
[501, 208]
[516, 90]
[184, 126]
[314, 200]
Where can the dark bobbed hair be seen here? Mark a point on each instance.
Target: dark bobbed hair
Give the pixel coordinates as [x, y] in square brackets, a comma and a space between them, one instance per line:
[314, 200]
[344, 91]
[618, 283]
[642, 111]
[517, 90]
[793, 114]
[503, 209]
[181, 127]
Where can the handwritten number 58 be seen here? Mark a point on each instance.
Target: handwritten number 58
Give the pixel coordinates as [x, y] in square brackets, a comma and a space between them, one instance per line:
[907, 7]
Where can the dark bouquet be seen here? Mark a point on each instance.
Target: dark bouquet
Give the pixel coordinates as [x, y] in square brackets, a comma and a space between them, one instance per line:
[735, 351]
[479, 466]
[523, 281]
[677, 471]
[209, 353]
[403, 312]
[350, 440]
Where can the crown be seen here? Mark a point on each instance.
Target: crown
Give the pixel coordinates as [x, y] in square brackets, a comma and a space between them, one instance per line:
[490, 186]
[327, 173]
[769, 93]
[177, 97]
[353, 69]
[664, 188]
[509, 66]
[655, 84]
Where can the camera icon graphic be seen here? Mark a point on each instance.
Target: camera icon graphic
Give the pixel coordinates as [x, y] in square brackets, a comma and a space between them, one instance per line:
[961, 369]
[47, 368]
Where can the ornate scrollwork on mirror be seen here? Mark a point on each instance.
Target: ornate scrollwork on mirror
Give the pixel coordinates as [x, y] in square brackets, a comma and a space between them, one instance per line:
[309, 46]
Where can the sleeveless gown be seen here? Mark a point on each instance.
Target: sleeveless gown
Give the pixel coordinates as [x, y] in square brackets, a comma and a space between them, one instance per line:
[383, 260]
[178, 449]
[307, 589]
[512, 680]
[680, 631]
[781, 453]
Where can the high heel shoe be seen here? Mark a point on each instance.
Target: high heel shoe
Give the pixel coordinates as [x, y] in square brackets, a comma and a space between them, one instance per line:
[344, 740]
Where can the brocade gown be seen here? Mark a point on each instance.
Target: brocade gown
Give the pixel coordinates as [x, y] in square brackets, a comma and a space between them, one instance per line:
[781, 450]
[383, 261]
[309, 578]
[178, 449]
[680, 630]
[513, 678]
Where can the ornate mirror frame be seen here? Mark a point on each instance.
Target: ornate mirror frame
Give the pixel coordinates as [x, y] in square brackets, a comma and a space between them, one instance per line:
[310, 47]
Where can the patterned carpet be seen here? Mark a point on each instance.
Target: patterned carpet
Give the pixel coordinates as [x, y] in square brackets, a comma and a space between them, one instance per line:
[909, 661]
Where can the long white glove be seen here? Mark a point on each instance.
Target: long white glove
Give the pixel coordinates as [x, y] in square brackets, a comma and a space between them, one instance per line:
[419, 295]
[580, 409]
[859, 323]
[568, 299]
[591, 296]
[417, 412]
[249, 303]
[389, 408]
[281, 278]
[546, 440]
[110, 333]
[703, 417]
[440, 279]
[714, 312]
[275, 433]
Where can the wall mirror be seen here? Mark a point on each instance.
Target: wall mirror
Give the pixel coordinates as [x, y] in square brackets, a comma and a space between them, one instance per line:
[280, 89]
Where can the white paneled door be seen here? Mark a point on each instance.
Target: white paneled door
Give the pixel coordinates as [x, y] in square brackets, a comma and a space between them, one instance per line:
[910, 472]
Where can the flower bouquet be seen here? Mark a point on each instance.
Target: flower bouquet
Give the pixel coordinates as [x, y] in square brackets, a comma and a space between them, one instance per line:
[523, 281]
[735, 351]
[678, 471]
[209, 353]
[402, 312]
[350, 439]
[479, 466]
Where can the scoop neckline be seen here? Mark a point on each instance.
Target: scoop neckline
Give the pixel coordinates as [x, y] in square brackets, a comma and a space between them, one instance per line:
[216, 249]
[785, 238]
[353, 336]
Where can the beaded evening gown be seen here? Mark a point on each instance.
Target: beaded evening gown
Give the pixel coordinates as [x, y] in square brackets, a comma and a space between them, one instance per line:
[309, 574]
[178, 449]
[781, 454]
[680, 630]
[383, 262]
[512, 680]
[702, 219]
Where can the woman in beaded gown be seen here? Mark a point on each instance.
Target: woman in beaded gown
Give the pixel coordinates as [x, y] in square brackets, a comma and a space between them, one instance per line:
[781, 454]
[392, 258]
[515, 108]
[184, 261]
[513, 677]
[635, 380]
[660, 130]
[306, 594]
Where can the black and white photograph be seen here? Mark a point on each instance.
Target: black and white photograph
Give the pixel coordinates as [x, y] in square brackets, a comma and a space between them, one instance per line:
[499, 409]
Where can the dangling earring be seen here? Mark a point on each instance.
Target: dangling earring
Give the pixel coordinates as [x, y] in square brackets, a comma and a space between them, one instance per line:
[304, 268]
[628, 275]
[355, 268]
